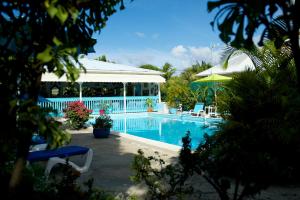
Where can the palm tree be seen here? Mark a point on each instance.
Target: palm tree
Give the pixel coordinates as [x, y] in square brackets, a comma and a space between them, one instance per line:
[168, 71]
[190, 73]
[257, 145]
[264, 57]
[151, 67]
[241, 18]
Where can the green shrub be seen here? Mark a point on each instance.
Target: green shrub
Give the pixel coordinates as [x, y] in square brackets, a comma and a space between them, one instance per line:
[61, 185]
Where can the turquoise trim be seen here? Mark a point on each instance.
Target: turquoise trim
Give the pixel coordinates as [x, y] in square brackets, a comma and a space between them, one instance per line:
[115, 104]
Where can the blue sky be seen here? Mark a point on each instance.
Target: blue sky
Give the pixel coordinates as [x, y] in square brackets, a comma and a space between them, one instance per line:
[159, 31]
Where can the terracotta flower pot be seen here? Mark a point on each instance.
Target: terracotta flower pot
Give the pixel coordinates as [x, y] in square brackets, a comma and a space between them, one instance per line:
[150, 109]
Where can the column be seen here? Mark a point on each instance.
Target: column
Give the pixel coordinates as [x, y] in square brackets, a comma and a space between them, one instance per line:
[124, 93]
[80, 91]
[159, 95]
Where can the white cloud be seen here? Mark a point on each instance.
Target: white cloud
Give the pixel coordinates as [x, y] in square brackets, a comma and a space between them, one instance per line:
[140, 34]
[178, 51]
[200, 52]
[180, 57]
[206, 54]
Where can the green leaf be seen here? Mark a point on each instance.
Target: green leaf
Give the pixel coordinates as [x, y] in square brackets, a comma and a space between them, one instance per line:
[73, 73]
[57, 42]
[74, 13]
[62, 14]
[52, 10]
[71, 50]
[211, 5]
[45, 56]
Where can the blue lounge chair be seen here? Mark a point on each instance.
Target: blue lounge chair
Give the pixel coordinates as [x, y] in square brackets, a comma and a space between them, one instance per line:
[57, 156]
[198, 109]
[37, 139]
[38, 143]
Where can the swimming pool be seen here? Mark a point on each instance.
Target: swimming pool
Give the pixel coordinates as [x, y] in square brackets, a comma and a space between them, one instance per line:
[165, 128]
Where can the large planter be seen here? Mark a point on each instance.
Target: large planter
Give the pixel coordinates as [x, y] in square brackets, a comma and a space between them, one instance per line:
[101, 132]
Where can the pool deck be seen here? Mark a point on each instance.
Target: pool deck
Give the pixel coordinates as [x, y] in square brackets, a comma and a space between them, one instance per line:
[113, 156]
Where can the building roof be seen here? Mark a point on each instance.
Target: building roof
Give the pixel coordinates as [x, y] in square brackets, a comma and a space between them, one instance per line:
[99, 71]
[237, 63]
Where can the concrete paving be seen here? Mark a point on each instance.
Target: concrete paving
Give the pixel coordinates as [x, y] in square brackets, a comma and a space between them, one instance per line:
[113, 156]
[112, 159]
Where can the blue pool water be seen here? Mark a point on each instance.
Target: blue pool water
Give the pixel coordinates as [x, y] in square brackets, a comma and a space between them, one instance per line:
[165, 130]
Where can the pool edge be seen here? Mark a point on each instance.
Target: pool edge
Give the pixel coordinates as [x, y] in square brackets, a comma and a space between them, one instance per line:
[159, 144]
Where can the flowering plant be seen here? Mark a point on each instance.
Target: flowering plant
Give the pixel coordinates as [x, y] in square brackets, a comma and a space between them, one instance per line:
[103, 121]
[77, 114]
[105, 108]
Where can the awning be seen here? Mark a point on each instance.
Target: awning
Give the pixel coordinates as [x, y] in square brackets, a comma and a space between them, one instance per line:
[107, 78]
[237, 63]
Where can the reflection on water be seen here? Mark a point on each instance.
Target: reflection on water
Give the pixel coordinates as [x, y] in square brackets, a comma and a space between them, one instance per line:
[162, 129]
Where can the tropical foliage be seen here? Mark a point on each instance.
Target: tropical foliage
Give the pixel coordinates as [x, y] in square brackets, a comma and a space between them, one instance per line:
[238, 20]
[178, 90]
[257, 144]
[151, 67]
[149, 103]
[189, 74]
[103, 59]
[59, 188]
[166, 181]
[77, 114]
[167, 69]
[39, 36]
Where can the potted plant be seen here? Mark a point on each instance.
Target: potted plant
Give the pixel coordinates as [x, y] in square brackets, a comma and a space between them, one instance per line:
[102, 125]
[149, 104]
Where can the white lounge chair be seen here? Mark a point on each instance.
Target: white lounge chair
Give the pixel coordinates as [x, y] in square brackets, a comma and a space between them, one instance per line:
[59, 155]
[198, 109]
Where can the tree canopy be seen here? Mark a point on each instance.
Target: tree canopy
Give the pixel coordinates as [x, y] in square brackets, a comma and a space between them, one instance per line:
[239, 20]
[151, 67]
[190, 73]
[35, 37]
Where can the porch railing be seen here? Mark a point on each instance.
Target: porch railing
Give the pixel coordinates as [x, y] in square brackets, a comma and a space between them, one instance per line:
[115, 104]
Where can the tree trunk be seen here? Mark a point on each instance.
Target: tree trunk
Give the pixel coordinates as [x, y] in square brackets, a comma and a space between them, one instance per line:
[24, 138]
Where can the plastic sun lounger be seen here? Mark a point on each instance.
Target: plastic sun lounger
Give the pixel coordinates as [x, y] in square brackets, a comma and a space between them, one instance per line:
[198, 109]
[57, 156]
[38, 143]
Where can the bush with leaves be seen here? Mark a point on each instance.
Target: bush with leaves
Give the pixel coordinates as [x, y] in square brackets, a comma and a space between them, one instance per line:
[177, 92]
[60, 185]
[164, 181]
[260, 140]
[77, 114]
[256, 146]
[38, 37]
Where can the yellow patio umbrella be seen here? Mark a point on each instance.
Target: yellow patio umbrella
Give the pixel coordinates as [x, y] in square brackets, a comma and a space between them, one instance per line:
[213, 78]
